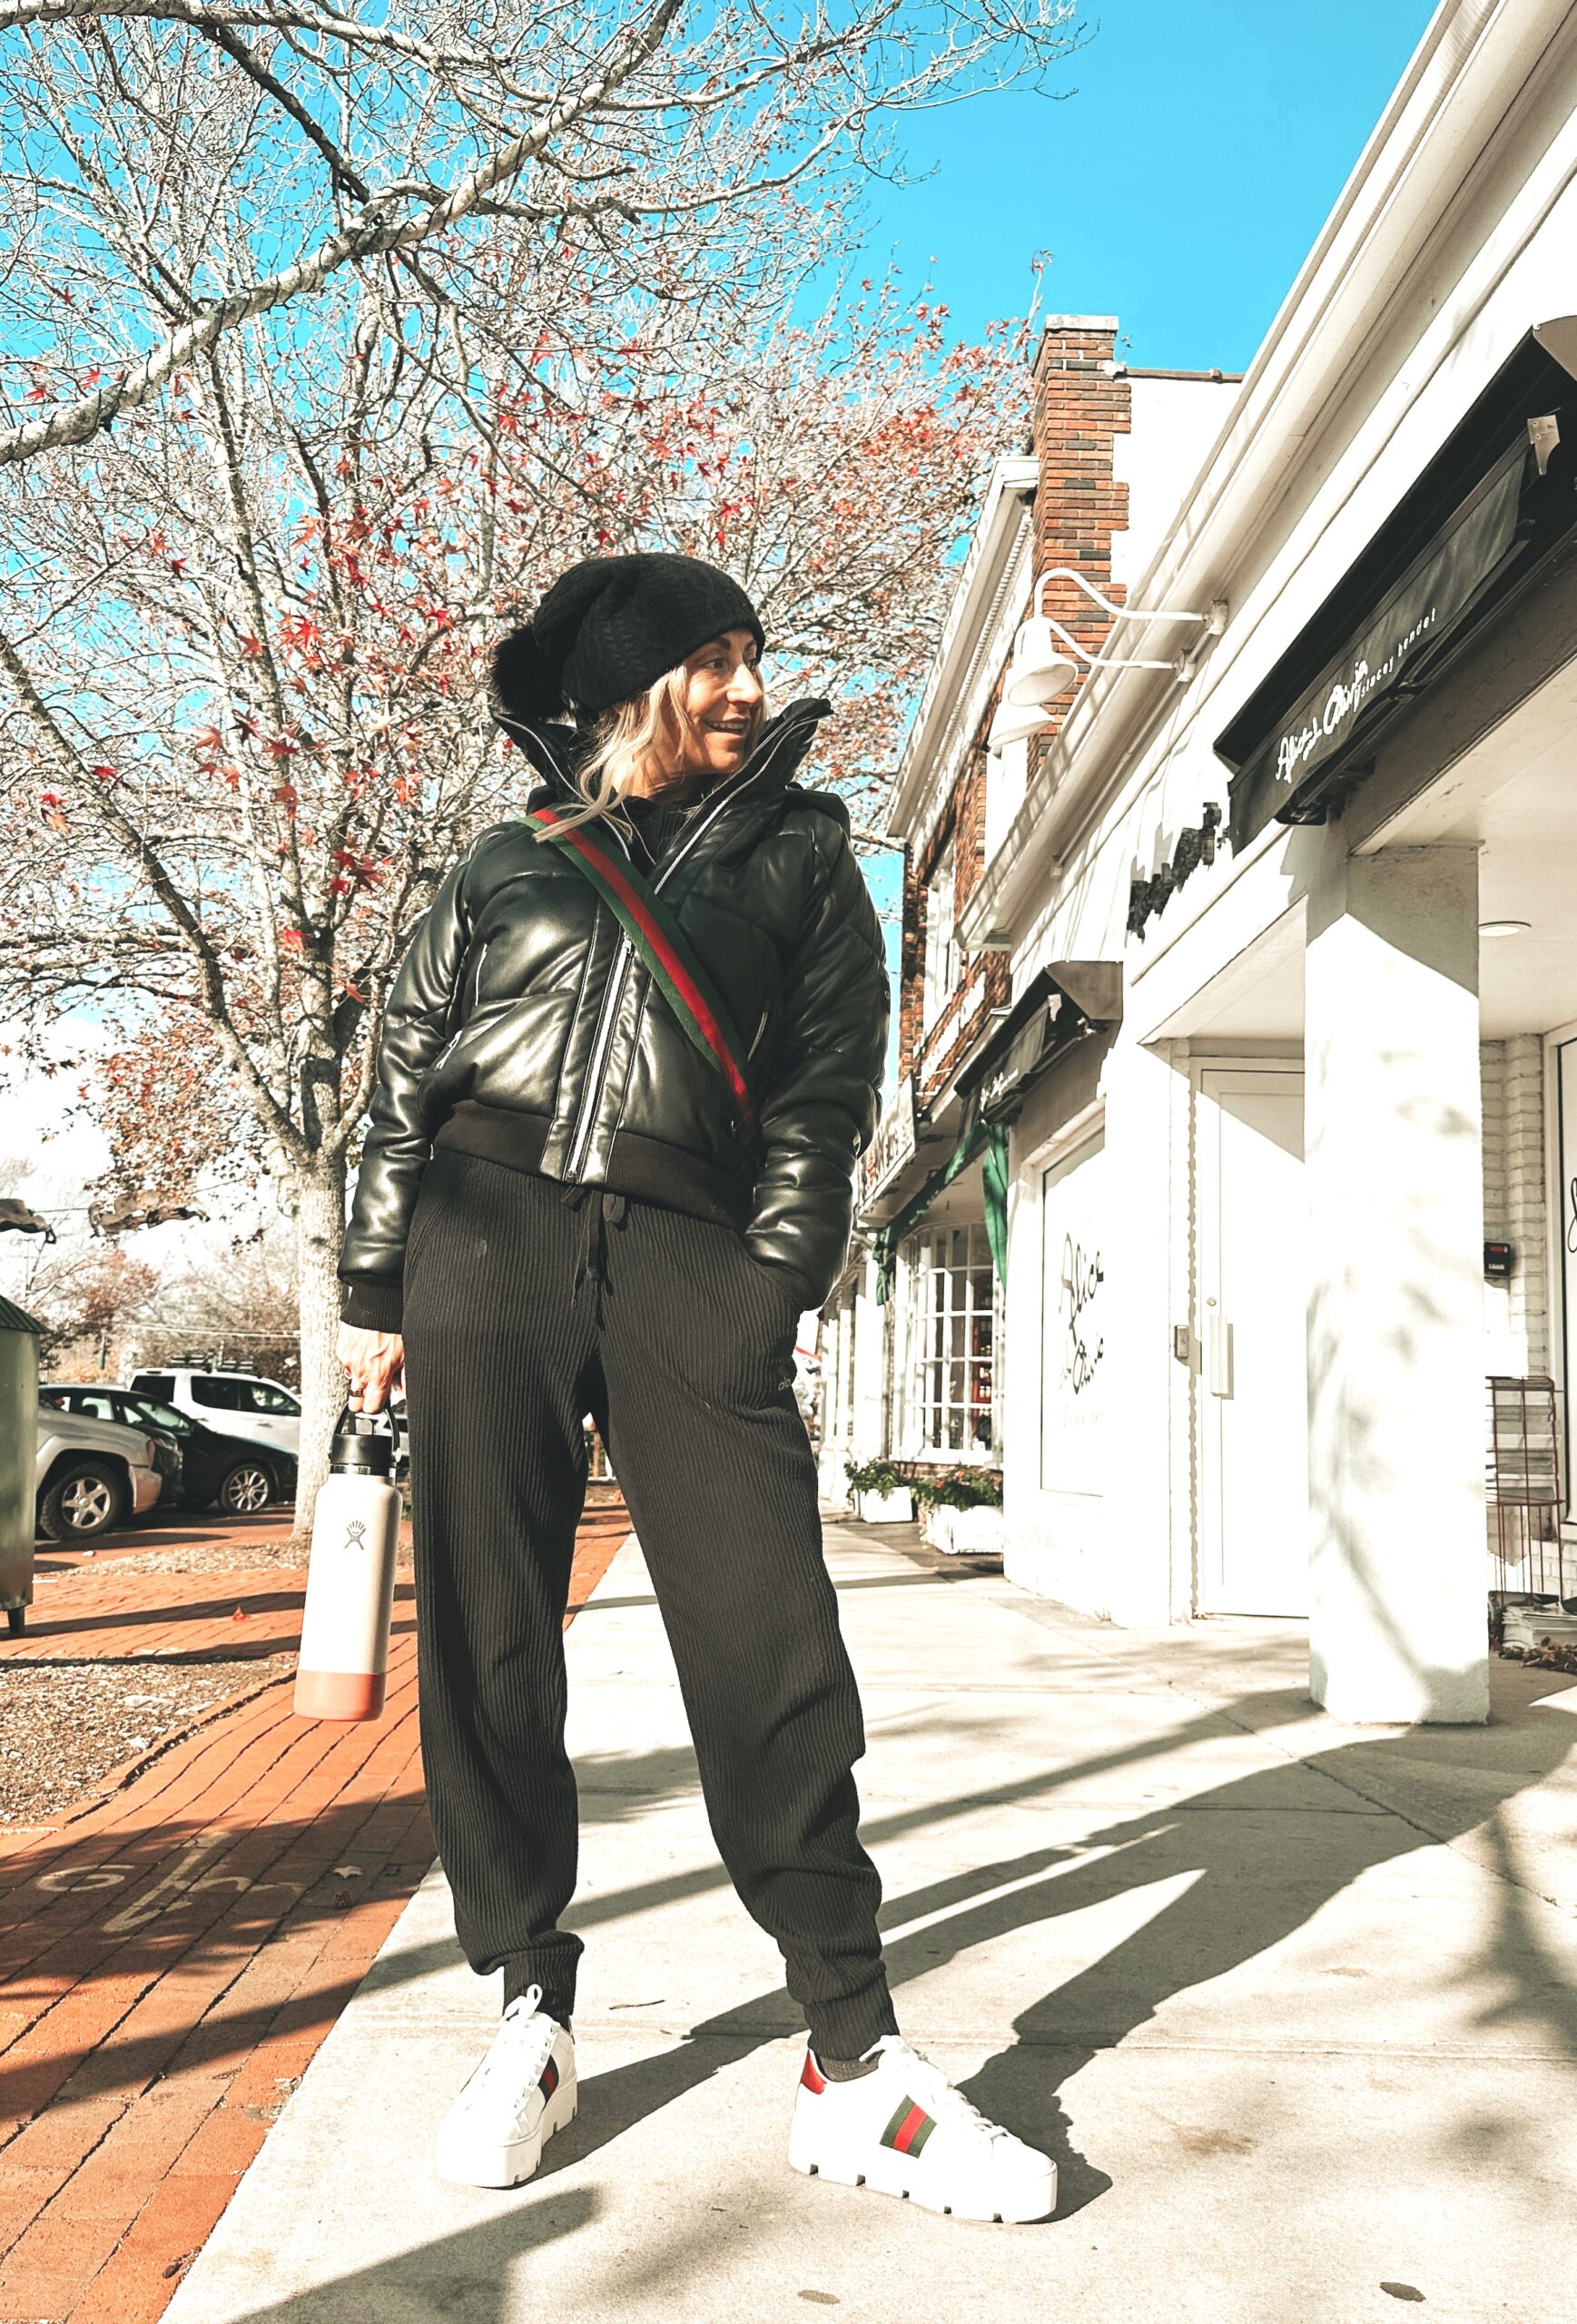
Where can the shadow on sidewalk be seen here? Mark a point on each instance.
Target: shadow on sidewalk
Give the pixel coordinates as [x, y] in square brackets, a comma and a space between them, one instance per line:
[1239, 1903]
[216, 1608]
[120, 1910]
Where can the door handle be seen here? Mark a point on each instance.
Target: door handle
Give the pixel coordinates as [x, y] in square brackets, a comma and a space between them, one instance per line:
[1218, 1353]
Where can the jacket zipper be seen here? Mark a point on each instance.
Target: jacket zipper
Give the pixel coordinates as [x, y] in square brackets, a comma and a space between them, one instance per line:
[475, 1002]
[616, 973]
[604, 1024]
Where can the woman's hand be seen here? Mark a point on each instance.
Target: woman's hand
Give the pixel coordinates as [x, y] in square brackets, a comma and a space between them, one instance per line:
[373, 1359]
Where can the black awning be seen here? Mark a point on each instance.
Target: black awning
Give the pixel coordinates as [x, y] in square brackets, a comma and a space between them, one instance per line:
[1470, 528]
[1060, 1002]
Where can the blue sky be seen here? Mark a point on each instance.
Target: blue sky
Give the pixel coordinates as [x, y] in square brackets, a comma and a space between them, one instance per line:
[1178, 188]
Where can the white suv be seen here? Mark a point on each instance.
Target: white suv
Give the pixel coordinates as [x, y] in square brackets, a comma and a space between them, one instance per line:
[240, 1403]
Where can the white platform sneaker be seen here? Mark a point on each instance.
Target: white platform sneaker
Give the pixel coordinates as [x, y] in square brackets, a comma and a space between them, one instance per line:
[905, 2131]
[521, 2093]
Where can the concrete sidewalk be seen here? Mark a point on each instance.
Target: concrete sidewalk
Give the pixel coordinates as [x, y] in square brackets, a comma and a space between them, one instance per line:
[1294, 2006]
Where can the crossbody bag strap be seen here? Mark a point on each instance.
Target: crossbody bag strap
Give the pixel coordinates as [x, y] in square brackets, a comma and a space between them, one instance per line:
[656, 936]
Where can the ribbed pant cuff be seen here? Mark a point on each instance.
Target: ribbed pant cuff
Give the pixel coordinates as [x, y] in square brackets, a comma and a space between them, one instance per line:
[558, 1995]
[846, 2029]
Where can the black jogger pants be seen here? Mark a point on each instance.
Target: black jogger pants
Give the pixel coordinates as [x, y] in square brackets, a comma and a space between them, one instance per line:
[528, 1304]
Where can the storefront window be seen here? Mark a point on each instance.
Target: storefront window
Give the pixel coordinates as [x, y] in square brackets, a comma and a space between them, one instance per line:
[949, 1324]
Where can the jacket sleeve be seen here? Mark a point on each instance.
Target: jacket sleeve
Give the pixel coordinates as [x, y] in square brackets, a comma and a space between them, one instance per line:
[819, 1113]
[397, 1147]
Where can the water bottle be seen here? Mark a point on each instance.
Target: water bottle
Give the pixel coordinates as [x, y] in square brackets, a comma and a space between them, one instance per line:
[344, 1658]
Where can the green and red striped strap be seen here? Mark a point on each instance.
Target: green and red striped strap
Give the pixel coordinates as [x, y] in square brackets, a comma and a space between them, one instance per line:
[657, 937]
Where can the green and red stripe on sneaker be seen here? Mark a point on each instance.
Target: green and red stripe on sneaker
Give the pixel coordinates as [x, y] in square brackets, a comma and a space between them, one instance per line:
[909, 2128]
[548, 2083]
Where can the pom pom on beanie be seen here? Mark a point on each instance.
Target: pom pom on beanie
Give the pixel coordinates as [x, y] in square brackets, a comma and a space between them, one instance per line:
[522, 680]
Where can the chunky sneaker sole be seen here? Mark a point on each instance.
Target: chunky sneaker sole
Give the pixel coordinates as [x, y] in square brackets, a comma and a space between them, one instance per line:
[894, 2158]
[468, 2158]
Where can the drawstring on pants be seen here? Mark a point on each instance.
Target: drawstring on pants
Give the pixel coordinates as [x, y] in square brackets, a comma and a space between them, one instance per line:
[591, 1249]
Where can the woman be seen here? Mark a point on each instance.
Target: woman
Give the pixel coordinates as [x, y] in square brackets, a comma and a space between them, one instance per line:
[537, 1089]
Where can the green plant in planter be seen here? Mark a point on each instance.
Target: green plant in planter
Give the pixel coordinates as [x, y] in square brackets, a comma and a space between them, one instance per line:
[874, 1476]
[966, 1488]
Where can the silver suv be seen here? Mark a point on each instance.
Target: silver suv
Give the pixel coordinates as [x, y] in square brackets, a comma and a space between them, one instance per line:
[93, 1474]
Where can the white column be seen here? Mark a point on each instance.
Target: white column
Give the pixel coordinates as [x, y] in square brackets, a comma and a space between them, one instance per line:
[1396, 1188]
[873, 1324]
[1146, 1532]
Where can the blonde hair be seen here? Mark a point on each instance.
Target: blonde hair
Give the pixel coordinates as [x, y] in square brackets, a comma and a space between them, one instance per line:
[625, 735]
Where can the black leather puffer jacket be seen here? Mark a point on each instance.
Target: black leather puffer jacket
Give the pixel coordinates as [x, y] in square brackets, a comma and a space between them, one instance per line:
[522, 1025]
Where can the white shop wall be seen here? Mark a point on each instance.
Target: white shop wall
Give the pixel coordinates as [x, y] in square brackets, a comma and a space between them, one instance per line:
[1515, 1206]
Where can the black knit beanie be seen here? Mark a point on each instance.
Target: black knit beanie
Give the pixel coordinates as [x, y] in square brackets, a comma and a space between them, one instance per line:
[611, 626]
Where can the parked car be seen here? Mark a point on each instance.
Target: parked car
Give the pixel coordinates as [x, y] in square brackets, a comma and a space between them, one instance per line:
[93, 1474]
[213, 1466]
[240, 1403]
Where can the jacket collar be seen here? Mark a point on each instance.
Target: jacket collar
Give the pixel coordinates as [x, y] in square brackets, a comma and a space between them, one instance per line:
[556, 750]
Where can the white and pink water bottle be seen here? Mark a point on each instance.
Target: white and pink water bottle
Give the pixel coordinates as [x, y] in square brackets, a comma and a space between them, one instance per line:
[342, 1669]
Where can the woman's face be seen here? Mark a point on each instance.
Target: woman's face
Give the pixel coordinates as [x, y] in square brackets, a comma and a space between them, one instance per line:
[723, 694]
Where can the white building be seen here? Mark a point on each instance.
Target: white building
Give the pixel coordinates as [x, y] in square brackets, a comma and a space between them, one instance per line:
[1238, 1363]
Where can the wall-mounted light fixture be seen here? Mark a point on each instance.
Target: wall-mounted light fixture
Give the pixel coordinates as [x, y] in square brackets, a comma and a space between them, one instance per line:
[1047, 658]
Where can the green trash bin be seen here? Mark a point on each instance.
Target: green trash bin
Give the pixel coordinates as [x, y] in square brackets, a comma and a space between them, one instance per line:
[18, 1459]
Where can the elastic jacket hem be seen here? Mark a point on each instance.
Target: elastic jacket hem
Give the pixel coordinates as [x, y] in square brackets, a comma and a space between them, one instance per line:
[636, 1165]
[646, 1166]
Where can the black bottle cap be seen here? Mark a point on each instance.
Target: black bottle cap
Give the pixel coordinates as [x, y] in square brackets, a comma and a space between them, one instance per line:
[359, 1448]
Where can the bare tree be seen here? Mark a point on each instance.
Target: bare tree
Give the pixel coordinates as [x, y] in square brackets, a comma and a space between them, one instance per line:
[248, 1309]
[247, 734]
[181, 168]
[87, 1296]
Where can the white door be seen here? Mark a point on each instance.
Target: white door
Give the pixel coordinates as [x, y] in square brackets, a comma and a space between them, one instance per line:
[1251, 1322]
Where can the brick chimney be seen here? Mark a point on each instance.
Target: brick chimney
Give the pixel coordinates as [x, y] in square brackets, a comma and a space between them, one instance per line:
[1078, 408]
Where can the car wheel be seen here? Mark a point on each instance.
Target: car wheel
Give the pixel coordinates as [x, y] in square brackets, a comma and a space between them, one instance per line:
[82, 1503]
[246, 1489]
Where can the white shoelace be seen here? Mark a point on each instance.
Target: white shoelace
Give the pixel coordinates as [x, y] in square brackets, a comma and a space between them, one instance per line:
[931, 2089]
[520, 2049]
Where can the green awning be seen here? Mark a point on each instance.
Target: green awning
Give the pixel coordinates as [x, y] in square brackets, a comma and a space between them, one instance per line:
[975, 1134]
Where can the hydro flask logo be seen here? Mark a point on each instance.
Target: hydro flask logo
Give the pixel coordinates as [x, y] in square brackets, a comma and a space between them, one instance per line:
[356, 1534]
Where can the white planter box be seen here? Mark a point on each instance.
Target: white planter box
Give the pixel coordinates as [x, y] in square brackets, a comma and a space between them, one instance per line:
[977, 1532]
[895, 1508]
[963, 1532]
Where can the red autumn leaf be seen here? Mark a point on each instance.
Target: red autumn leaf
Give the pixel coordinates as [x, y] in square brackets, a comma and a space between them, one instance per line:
[107, 773]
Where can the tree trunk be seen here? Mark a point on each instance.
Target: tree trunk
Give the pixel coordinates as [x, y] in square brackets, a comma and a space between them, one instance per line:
[320, 1226]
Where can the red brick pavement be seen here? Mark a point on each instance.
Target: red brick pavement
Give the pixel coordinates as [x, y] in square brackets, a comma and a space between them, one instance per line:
[172, 1953]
